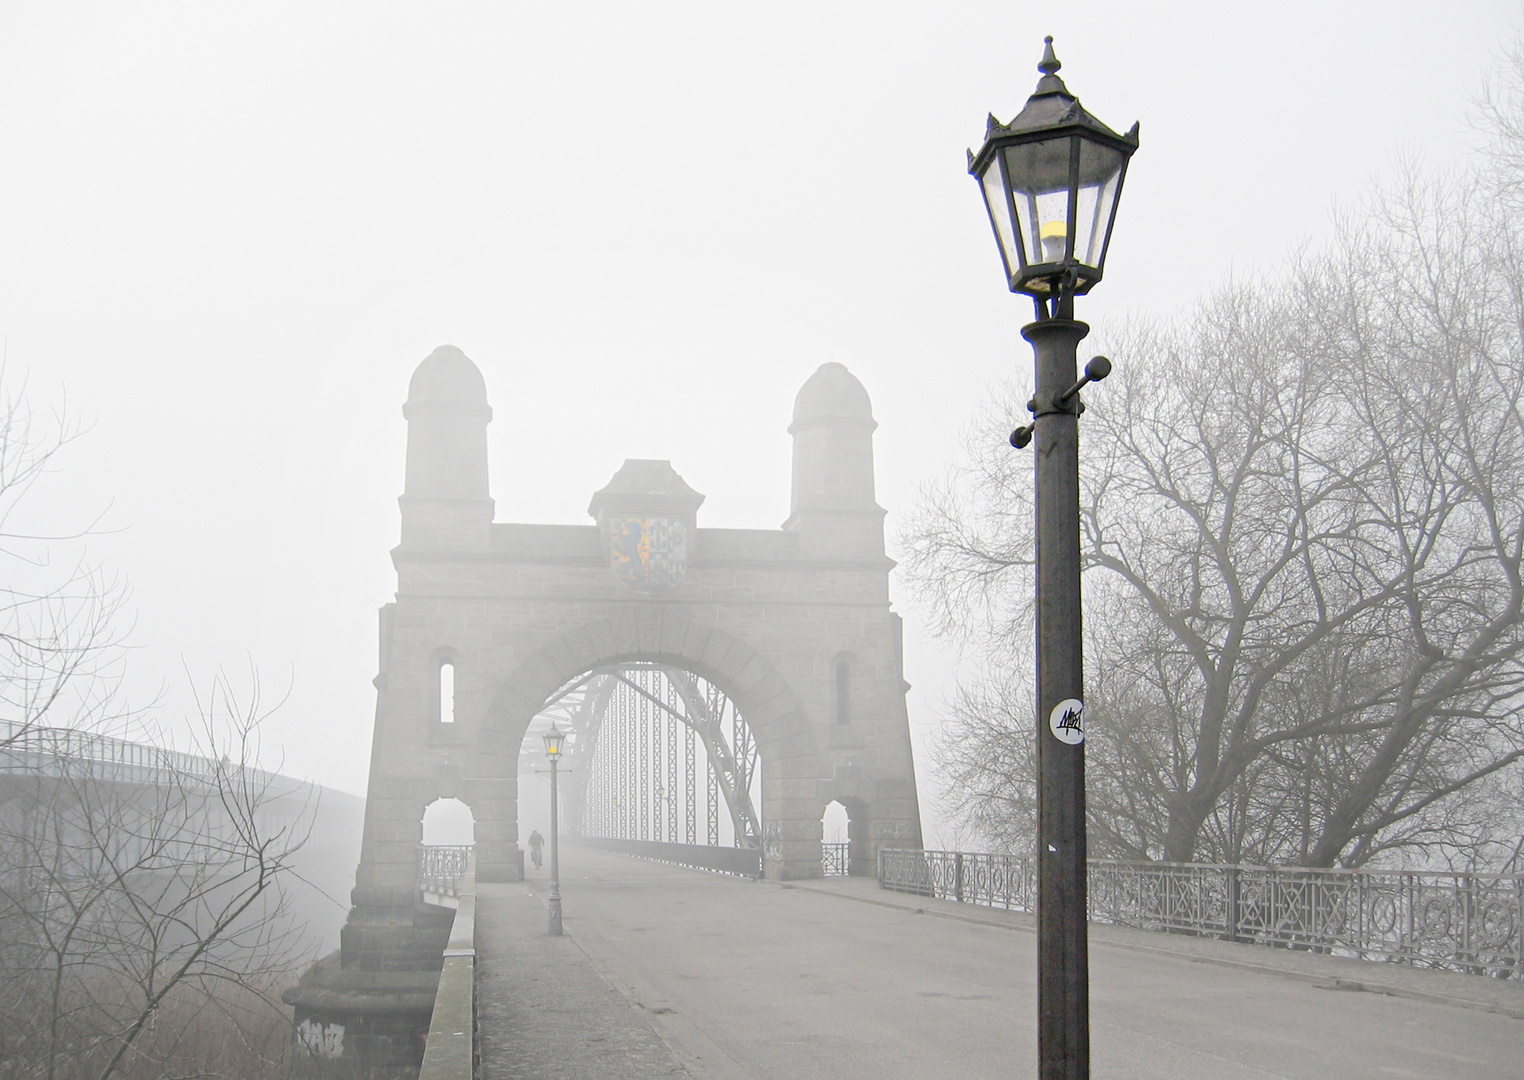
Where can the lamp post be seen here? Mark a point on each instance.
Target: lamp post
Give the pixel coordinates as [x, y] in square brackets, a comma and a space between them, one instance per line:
[555, 743]
[1051, 179]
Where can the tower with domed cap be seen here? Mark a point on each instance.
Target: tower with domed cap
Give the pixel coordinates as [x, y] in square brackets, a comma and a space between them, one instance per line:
[833, 507]
[445, 501]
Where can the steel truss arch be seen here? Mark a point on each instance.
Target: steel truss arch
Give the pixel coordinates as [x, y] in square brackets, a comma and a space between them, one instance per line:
[636, 728]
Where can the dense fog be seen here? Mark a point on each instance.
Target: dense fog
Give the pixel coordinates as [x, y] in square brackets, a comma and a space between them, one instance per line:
[320, 327]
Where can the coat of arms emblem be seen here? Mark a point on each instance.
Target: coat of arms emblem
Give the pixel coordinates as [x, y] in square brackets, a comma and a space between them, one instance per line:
[649, 554]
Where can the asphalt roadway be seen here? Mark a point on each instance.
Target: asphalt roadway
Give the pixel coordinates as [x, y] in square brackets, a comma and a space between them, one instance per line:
[671, 972]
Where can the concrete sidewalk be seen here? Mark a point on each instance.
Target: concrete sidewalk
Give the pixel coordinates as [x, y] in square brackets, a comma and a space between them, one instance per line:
[543, 1011]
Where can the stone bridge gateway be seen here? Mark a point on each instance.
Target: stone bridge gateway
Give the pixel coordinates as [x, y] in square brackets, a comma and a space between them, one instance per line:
[490, 619]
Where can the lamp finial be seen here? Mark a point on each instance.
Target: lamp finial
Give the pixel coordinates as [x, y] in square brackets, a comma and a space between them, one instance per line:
[1049, 63]
[1050, 83]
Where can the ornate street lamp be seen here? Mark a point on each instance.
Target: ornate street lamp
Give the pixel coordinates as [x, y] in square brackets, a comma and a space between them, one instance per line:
[1051, 179]
[555, 743]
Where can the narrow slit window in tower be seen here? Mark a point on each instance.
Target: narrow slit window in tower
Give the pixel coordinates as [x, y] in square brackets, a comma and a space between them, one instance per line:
[447, 693]
[843, 692]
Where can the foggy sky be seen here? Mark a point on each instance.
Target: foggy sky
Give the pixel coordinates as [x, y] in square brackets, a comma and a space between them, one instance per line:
[229, 234]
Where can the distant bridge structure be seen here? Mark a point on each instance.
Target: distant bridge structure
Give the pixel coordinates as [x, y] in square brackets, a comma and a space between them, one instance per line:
[55, 783]
[67, 753]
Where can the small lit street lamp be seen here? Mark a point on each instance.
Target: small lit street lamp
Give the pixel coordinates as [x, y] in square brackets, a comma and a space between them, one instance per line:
[1051, 179]
[555, 743]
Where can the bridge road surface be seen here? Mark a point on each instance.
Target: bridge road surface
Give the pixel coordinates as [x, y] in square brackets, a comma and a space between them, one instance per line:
[681, 973]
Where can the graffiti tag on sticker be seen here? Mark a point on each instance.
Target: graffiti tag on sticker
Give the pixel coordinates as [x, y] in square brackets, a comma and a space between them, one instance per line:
[1066, 721]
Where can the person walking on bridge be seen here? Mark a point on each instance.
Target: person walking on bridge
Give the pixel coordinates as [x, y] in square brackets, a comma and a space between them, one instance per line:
[536, 847]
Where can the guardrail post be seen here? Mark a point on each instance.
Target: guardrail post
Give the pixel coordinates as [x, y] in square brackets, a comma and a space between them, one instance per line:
[1410, 896]
[1362, 923]
[1518, 926]
[1468, 903]
[1231, 915]
[958, 876]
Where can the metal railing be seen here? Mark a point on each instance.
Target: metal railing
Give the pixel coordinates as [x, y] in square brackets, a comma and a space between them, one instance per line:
[64, 753]
[743, 862]
[1459, 922]
[1003, 881]
[836, 859]
[442, 868]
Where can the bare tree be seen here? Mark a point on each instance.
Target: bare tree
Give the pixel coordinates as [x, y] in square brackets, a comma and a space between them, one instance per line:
[143, 890]
[142, 893]
[61, 618]
[1303, 520]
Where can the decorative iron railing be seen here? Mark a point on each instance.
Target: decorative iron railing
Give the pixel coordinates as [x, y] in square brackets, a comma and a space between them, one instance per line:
[1004, 881]
[836, 859]
[1459, 922]
[442, 868]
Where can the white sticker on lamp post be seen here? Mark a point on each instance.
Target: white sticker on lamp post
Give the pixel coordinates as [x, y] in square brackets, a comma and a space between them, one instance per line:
[1066, 721]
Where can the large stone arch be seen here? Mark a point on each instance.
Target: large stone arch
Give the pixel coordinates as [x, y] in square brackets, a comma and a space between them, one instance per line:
[662, 635]
[792, 780]
[518, 609]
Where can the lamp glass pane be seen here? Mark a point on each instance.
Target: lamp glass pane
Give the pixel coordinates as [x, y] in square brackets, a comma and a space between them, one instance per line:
[1039, 173]
[1000, 214]
[1100, 175]
[1050, 225]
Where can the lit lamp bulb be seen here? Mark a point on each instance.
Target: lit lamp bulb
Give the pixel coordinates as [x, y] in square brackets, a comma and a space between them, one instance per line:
[1055, 237]
[555, 740]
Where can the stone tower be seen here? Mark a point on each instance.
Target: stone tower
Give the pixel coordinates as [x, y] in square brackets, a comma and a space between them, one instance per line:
[833, 507]
[445, 501]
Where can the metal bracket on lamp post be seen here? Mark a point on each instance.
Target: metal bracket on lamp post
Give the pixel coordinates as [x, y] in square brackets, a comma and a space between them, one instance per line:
[1098, 368]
